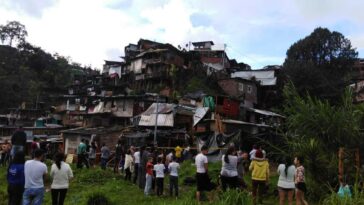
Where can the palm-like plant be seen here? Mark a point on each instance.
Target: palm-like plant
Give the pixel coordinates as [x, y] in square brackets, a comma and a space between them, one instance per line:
[316, 130]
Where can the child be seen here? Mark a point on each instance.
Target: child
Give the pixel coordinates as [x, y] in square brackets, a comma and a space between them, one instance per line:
[148, 176]
[159, 170]
[173, 177]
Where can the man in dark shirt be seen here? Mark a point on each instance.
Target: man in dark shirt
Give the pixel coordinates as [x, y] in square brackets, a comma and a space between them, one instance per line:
[18, 141]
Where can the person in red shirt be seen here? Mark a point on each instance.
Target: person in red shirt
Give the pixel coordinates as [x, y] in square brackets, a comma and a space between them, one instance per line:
[149, 176]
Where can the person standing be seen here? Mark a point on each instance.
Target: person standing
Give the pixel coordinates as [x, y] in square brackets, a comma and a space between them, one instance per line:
[260, 175]
[61, 173]
[173, 168]
[18, 141]
[118, 153]
[286, 185]
[300, 181]
[92, 154]
[159, 172]
[149, 176]
[34, 146]
[81, 154]
[35, 172]
[229, 169]
[144, 156]
[253, 151]
[202, 178]
[129, 165]
[105, 154]
[178, 153]
[5, 154]
[16, 179]
[136, 156]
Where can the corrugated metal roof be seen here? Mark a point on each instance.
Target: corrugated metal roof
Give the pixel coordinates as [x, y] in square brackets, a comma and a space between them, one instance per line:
[265, 112]
[238, 122]
[163, 108]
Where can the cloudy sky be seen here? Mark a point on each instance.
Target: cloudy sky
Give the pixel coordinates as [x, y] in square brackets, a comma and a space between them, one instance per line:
[257, 32]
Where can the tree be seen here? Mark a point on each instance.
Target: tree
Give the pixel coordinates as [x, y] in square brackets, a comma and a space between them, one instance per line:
[13, 30]
[316, 129]
[320, 64]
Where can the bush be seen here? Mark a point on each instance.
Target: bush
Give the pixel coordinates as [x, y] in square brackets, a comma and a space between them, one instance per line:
[97, 199]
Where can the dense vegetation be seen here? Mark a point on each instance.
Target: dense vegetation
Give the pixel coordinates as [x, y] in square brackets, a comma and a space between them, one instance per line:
[316, 130]
[28, 73]
[321, 64]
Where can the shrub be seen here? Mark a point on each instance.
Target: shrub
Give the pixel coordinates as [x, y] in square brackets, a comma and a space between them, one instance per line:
[97, 199]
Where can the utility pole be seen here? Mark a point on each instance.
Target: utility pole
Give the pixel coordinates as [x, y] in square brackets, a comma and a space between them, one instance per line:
[156, 123]
[223, 57]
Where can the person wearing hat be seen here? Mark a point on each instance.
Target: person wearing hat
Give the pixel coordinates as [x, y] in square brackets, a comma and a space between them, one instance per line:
[260, 175]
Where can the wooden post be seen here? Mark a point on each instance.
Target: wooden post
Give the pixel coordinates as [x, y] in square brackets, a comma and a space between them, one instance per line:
[357, 164]
[341, 164]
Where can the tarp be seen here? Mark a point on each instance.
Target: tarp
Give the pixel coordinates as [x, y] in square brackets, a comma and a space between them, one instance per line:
[217, 143]
[164, 120]
[266, 78]
[199, 114]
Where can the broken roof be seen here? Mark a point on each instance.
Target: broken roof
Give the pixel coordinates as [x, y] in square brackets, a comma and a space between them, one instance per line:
[266, 77]
[164, 118]
[163, 108]
[265, 112]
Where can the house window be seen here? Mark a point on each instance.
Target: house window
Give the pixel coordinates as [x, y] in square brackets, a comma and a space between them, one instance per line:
[241, 87]
[250, 89]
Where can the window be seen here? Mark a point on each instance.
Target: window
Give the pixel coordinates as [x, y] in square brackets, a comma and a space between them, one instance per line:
[250, 89]
[241, 87]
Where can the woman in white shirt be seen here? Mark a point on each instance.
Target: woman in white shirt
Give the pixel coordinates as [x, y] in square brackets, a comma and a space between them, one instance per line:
[286, 185]
[61, 173]
[128, 165]
[229, 169]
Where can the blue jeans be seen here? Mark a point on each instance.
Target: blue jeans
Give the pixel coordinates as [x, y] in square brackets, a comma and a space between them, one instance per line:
[148, 184]
[33, 196]
[15, 149]
[103, 163]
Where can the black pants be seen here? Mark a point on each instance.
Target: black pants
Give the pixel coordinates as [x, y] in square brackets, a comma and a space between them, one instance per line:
[173, 184]
[153, 180]
[160, 186]
[15, 193]
[128, 174]
[82, 159]
[58, 196]
[136, 167]
[229, 182]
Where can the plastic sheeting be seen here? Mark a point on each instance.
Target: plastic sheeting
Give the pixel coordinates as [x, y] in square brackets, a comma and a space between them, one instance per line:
[216, 142]
[199, 114]
[266, 78]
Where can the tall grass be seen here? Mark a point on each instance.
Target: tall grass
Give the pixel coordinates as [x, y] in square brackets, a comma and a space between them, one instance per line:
[357, 198]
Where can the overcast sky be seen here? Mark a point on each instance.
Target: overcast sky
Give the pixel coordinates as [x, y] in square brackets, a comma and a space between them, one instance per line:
[257, 32]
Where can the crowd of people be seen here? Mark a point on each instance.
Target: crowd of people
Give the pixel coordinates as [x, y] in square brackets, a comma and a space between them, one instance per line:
[235, 164]
[147, 167]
